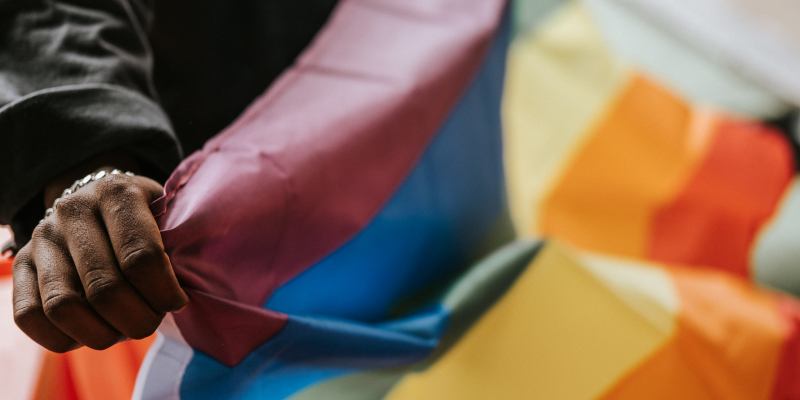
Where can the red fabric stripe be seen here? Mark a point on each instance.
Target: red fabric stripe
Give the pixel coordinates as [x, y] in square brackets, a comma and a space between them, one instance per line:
[55, 380]
[787, 379]
[5, 266]
[715, 219]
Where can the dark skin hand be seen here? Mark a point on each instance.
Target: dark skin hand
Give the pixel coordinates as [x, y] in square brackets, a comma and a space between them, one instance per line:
[95, 271]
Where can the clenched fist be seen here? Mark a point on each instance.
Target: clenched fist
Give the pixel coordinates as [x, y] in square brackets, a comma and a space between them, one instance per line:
[95, 271]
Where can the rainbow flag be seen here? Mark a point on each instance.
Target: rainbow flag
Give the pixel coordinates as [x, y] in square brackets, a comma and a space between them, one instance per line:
[351, 234]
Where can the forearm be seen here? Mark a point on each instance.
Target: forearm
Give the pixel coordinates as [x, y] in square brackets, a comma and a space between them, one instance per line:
[75, 83]
[59, 43]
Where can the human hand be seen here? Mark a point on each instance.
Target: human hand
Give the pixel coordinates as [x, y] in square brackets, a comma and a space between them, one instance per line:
[95, 271]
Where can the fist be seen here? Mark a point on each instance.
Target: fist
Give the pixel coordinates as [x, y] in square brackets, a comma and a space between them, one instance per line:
[95, 271]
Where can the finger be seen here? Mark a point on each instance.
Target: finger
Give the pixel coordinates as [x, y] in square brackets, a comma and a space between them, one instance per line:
[28, 311]
[151, 188]
[137, 242]
[107, 291]
[62, 296]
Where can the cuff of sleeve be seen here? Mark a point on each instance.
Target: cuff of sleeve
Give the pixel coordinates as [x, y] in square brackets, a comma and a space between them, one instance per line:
[51, 131]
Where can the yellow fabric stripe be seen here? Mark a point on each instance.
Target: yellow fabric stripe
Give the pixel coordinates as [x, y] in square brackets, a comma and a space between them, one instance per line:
[563, 331]
[559, 80]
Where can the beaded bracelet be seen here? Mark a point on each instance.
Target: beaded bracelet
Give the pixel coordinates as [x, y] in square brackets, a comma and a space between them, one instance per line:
[79, 184]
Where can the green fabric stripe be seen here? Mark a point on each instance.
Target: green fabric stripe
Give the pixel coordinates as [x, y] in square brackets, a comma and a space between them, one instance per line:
[480, 288]
[527, 15]
[371, 385]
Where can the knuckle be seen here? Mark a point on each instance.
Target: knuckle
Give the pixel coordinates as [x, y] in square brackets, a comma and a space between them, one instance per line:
[73, 206]
[53, 282]
[22, 260]
[30, 318]
[26, 313]
[139, 258]
[117, 186]
[57, 306]
[100, 286]
[45, 231]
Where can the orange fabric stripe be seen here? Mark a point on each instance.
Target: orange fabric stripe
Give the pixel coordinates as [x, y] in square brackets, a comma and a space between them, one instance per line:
[715, 219]
[86, 374]
[727, 345]
[787, 384]
[635, 160]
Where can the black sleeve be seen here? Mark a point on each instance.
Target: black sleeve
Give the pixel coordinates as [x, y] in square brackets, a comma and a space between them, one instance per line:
[75, 82]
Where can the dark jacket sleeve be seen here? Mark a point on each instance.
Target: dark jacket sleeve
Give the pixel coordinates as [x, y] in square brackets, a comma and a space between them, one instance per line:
[75, 82]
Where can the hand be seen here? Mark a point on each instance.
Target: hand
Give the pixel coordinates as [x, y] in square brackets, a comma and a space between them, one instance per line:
[95, 271]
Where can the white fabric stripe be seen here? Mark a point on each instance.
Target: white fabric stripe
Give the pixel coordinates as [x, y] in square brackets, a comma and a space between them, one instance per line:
[778, 247]
[693, 73]
[740, 33]
[162, 370]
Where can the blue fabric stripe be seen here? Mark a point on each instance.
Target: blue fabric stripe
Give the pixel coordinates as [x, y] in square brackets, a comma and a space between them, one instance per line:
[339, 308]
[430, 228]
[309, 350]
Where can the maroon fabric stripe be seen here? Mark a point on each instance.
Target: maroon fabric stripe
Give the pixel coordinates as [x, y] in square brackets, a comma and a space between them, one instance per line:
[310, 163]
[224, 329]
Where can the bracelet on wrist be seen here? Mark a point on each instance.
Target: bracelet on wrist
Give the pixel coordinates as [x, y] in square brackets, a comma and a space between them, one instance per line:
[81, 183]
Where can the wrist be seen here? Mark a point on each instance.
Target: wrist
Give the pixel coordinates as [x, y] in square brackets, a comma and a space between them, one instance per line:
[104, 162]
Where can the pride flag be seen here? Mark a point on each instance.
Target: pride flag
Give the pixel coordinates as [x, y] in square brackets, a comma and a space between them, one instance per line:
[350, 235]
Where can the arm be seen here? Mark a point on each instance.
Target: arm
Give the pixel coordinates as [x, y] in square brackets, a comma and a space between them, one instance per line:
[76, 97]
[75, 82]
